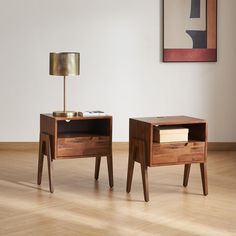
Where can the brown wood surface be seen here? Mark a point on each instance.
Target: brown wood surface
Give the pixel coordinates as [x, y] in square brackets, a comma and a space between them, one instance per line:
[203, 169]
[144, 168]
[75, 137]
[141, 131]
[45, 150]
[110, 170]
[77, 117]
[138, 153]
[186, 174]
[178, 153]
[48, 125]
[97, 167]
[83, 146]
[172, 153]
[211, 146]
[131, 161]
[170, 120]
[40, 159]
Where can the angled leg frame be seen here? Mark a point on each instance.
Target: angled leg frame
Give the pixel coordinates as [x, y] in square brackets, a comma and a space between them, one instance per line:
[203, 169]
[138, 152]
[109, 167]
[45, 149]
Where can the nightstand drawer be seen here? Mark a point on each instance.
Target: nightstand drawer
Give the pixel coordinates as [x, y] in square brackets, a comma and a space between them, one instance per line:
[178, 152]
[83, 146]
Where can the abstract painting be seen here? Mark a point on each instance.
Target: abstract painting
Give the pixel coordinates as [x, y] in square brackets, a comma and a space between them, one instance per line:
[190, 31]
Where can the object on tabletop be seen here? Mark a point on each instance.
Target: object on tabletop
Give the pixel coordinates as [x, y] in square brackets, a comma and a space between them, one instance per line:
[92, 113]
[65, 64]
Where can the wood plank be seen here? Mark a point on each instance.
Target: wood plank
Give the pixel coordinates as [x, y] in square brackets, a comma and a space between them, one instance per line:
[171, 120]
[83, 146]
[178, 153]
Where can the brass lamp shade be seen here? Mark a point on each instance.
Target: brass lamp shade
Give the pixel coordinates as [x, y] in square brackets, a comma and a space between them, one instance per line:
[64, 64]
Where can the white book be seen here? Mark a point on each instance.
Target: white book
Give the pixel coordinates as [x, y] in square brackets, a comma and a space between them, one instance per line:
[92, 113]
[173, 138]
[170, 134]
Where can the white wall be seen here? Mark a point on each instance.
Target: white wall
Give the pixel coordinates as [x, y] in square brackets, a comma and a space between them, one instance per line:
[121, 68]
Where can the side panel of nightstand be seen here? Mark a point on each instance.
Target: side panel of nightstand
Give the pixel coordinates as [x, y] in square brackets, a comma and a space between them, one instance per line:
[141, 131]
[48, 125]
[111, 136]
[206, 140]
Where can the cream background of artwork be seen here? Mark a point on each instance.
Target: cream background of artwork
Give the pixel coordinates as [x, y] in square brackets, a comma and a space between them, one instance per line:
[177, 20]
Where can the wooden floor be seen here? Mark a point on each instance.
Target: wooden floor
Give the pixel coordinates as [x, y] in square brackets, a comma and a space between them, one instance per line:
[82, 206]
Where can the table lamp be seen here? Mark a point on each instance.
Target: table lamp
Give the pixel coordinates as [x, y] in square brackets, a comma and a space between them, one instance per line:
[64, 64]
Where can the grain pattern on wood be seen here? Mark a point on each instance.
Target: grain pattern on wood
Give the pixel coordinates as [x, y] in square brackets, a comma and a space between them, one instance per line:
[83, 146]
[82, 206]
[48, 125]
[170, 120]
[169, 153]
[178, 153]
[142, 131]
[78, 137]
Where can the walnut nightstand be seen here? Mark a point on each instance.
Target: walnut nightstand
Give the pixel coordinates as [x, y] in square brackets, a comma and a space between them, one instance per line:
[148, 153]
[77, 137]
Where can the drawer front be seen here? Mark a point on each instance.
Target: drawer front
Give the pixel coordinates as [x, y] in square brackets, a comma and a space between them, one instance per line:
[178, 152]
[83, 146]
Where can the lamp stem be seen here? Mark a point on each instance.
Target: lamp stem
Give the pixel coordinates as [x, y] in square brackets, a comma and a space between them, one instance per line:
[64, 93]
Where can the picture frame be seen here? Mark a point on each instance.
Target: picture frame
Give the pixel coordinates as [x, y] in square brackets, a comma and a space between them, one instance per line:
[189, 30]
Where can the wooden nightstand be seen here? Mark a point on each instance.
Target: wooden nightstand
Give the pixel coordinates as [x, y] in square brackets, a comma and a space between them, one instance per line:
[148, 153]
[77, 137]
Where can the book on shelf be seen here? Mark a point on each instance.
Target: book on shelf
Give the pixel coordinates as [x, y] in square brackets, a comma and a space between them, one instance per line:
[170, 134]
[92, 113]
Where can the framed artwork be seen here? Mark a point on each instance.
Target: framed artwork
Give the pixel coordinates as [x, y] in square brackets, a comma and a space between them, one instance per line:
[190, 31]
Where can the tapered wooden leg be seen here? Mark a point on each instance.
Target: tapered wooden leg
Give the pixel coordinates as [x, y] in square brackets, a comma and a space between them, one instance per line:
[203, 168]
[186, 174]
[50, 164]
[144, 170]
[110, 170]
[130, 169]
[97, 167]
[40, 160]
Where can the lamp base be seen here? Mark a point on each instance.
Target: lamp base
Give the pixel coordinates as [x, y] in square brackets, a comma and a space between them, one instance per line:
[64, 113]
